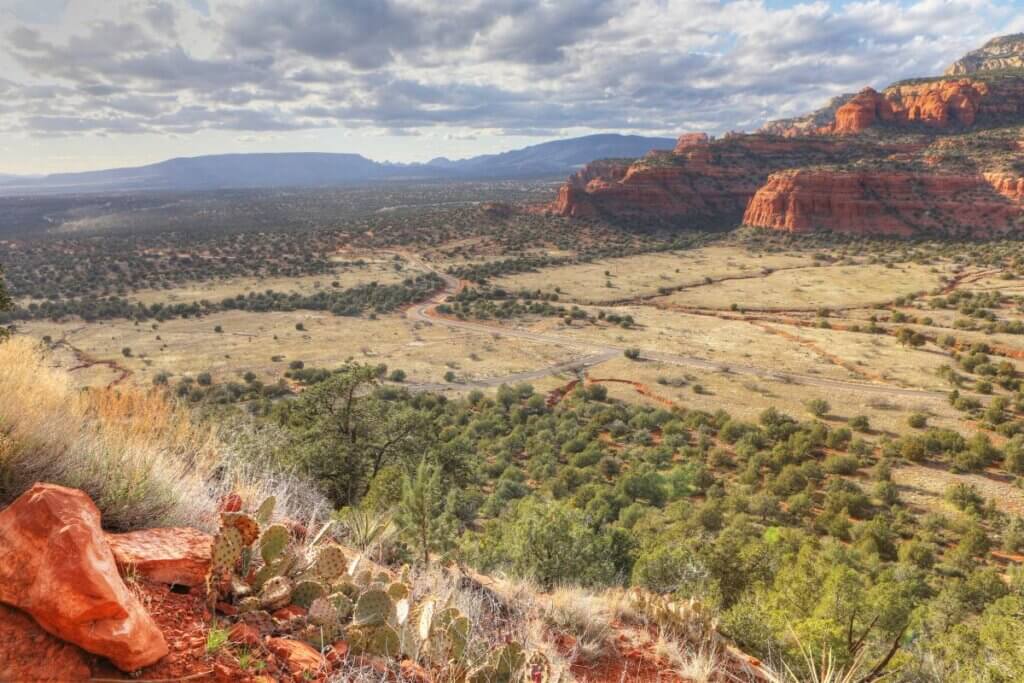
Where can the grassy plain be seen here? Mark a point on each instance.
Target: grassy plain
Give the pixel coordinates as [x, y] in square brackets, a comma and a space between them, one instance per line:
[265, 343]
[828, 286]
[644, 275]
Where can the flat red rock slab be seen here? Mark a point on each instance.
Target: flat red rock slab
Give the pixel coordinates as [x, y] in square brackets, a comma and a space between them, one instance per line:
[172, 556]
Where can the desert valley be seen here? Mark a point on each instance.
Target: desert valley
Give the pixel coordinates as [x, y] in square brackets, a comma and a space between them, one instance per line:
[735, 407]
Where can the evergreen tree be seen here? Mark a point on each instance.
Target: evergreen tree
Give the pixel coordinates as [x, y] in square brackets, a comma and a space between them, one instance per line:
[421, 512]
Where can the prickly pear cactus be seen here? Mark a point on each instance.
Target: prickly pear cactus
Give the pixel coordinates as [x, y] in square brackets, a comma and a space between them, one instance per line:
[425, 619]
[401, 613]
[330, 562]
[343, 604]
[503, 666]
[458, 637]
[374, 608]
[398, 590]
[273, 541]
[225, 552]
[323, 612]
[246, 525]
[346, 586]
[321, 636]
[266, 510]
[382, 641]
[276, 593]
[363, 578]
[306, 592]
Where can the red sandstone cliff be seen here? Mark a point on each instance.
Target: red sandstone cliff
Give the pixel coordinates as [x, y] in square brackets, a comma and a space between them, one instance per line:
[939, 156]
[888, 203]
[701, 179]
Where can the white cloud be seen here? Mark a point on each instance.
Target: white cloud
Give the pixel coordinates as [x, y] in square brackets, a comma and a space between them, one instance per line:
[513, 66]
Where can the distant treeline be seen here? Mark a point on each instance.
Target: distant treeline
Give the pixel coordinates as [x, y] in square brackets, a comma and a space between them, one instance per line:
[372, 297]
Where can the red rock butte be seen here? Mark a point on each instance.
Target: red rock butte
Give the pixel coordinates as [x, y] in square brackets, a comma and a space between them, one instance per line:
[936, 156]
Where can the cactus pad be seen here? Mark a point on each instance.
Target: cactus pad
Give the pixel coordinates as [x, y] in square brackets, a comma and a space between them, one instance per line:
[373, 608]
[321, 636]
[330, 562]
[276, 593]
[323, 612]
[426, 619]
[398, 590]
[246, 525]
[273, 541]
[346, 586]
[266, 510]
[306, 592]
[225, 552]
[401, 611]
[382, 641]
[343, 605]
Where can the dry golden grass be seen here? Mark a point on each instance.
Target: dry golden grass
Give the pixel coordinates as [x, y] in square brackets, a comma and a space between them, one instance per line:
[266, 342]
[141, 459]
[824, 286]
[138, 457]
[642, 275]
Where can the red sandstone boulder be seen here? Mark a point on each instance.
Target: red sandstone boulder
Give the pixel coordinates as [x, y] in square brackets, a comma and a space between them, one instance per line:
[173, 556]
[299, 657]
[55, 565]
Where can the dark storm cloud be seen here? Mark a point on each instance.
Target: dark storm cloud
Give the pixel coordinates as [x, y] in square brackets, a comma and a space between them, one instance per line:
[518, 66]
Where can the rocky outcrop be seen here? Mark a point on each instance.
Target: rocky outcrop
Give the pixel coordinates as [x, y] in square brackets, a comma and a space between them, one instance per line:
[56, 566]
[809, 124]
[998, 54]
[702, 179]
[943, 104]
[888, 203]
[172, 556]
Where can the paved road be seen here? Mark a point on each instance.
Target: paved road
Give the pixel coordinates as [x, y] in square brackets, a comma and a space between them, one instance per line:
[600, 352]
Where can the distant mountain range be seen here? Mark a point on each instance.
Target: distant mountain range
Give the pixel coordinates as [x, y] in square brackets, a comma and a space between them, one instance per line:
[238, 171]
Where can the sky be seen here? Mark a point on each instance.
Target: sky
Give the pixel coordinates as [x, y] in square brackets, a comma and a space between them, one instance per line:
[87, 84]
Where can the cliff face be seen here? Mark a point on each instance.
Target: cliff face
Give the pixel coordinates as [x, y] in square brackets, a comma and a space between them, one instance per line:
[1006, 52]
[700, 179]
[888, 203]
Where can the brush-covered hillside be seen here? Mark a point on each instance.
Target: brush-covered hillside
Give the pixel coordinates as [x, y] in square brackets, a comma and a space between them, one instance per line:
[361, 531]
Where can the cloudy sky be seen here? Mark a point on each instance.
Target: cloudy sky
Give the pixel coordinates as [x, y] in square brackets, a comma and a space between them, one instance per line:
[96, 83]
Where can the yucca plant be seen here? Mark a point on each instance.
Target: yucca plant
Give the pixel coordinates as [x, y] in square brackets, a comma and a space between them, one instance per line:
[366, 530]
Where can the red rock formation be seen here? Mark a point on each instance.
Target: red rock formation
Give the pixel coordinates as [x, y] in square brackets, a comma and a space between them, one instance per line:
[701, 179]
[887, 203]
[940, 104]
[56, 565]
[173, 556]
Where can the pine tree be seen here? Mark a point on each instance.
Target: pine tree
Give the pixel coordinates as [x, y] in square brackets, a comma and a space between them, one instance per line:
[421, 512]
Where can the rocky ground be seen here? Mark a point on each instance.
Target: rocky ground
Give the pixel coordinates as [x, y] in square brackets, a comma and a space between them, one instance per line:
[78, 604]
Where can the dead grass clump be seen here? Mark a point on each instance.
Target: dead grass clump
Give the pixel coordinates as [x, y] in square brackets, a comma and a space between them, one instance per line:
[582, 615]
[140, 457]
